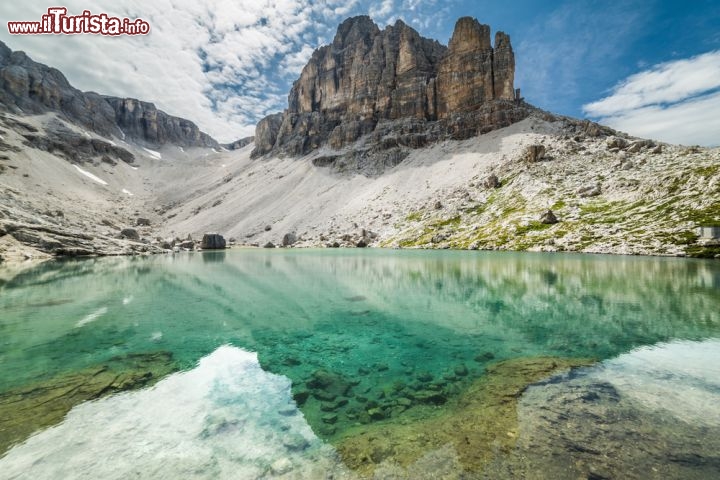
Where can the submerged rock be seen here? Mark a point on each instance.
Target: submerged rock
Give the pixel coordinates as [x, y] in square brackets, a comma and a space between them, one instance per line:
[461, 370]
[493, 398]
[32, 407]
[484, 357]
[330, 418]
[301, 396]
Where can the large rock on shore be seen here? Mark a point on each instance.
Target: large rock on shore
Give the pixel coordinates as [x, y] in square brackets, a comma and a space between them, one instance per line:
[212, 241]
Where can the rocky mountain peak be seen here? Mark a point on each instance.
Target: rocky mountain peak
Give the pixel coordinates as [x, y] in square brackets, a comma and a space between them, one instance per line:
[359, 29]
[469, 35]
[28, 87]
[401, 89]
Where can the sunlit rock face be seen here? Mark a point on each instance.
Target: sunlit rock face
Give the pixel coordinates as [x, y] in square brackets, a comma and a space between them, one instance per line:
[368, 77]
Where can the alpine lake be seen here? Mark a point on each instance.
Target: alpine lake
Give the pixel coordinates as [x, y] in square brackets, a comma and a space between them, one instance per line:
[361, 363]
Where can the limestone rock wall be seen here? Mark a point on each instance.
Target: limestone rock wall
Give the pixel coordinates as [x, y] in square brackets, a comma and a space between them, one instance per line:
[368, 76]
[32, 88]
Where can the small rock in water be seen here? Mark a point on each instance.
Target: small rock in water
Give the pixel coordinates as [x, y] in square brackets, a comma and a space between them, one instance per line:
[295, 442]
[281, 466]
[382, 367]
[376, 414]
[405, 402]
[301, 396]
[330, 418]
[291, 361]
[326, 430]
[425, 376]
[460, 370]
[484, 357]
[356, 298]
[288, 411]
[430, 397]
[324, 396]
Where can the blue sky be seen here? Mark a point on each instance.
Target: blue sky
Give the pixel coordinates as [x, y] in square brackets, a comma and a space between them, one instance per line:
[650, 67]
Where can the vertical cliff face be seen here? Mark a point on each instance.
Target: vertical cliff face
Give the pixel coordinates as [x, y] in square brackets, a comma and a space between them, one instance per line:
[465, 77]
[31, 88]
[503, 68]
[369, 76]
[144, 121]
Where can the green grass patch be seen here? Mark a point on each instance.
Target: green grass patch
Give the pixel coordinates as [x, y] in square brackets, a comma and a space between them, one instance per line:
[598, 207]
[706, 251]
[448, 222]
[709, 215]
[476, 210]
[534, 226]
[414, 217]
[707, 171]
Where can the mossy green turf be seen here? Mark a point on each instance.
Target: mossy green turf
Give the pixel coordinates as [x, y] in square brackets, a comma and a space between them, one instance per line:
[364, 335]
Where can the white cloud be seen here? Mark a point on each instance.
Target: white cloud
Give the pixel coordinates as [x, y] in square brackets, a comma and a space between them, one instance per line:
[383, 12]
[223, 64]
[565, 51]
[675, 101]
[218, 63]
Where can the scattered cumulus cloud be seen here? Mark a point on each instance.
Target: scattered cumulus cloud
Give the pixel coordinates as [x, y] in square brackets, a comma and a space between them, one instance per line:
[224, 64]
[676, 101]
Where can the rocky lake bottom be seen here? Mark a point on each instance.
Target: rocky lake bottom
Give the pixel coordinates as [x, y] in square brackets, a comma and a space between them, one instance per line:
[361, 364]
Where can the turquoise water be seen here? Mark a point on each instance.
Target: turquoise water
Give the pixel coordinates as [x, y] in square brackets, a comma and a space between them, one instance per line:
[351, 331]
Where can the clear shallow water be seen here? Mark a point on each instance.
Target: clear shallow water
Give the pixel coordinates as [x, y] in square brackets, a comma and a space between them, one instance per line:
[361, 339]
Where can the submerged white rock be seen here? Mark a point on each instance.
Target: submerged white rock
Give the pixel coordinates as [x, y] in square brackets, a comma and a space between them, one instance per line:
[219, 420]
[681, 378]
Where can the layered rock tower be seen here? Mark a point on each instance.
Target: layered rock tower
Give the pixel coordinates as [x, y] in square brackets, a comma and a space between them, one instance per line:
[403, 89]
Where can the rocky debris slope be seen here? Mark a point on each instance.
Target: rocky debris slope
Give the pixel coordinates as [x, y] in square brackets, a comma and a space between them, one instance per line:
[238, 144]
[401, 90]
[601, 192]
[545, 183]
[67, 192]
[29, 87]
[68, 166]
